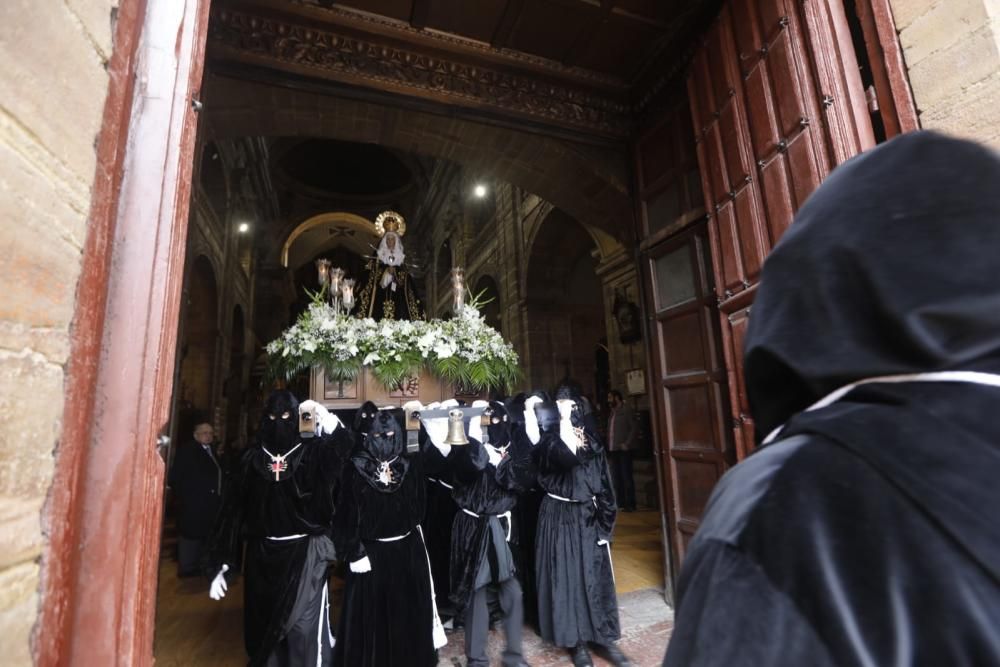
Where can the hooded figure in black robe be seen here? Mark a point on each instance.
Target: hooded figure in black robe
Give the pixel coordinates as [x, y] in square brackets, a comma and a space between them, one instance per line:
[282, 497]
[438, 518]
[529, 502]
[577, 603]
[486, 477]
[864, 533]
[388, 616]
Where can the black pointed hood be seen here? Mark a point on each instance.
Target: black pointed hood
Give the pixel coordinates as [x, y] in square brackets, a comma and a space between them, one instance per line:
[499, 428]
[364, 416]
[890, 267]
[279, 424]
[380, 458]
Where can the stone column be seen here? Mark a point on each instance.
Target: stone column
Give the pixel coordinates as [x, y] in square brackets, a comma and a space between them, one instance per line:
[952, 53]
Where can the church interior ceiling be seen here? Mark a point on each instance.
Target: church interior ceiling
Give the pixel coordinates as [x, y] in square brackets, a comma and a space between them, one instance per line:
[584, 66]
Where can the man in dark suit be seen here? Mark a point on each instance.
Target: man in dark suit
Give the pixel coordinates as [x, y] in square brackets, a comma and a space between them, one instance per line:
[196, 480]
[621, 441]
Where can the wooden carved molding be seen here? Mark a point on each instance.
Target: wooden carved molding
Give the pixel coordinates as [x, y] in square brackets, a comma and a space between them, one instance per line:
[282, 44]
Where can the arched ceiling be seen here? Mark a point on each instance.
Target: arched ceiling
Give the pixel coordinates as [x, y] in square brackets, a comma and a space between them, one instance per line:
[325, 232]
[588, 182]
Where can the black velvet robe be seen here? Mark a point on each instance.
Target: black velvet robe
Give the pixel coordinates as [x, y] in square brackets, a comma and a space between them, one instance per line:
[576, 587]
[866, 532]
[480, 550]
[197, 481]
[529, 503]
[387, 617]
[438, 521]
[301, 501]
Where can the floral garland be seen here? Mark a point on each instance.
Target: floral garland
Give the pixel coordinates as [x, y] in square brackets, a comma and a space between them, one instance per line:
[464, 350]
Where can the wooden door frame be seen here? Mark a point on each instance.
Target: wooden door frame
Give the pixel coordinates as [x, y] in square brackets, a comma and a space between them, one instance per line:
[885, 54]
[99, 569]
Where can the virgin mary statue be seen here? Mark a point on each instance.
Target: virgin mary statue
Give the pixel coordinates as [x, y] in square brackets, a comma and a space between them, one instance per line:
[388, 292]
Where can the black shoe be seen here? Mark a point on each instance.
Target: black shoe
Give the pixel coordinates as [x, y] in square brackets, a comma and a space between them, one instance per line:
[581, 656]
[615, 656]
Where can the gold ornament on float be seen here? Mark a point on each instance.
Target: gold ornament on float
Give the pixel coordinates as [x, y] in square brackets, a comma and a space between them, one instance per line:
[390, 221]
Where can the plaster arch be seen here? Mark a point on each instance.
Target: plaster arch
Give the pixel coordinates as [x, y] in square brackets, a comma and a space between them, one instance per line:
[356, 233]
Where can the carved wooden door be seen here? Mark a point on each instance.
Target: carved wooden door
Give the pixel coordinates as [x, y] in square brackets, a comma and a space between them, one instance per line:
[776, 102]
[689, 379]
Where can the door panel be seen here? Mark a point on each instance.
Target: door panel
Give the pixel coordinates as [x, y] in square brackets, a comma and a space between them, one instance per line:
[692, 382]
[780, 111]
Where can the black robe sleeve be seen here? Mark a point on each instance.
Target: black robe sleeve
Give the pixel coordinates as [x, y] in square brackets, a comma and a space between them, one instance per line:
[347, 519]
[520, 466]
[554, 456]
[604, 499]
[719, 583]
[467, 462]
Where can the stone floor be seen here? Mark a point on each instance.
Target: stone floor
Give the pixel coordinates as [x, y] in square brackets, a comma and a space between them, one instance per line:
[646, 624]
[194, 631]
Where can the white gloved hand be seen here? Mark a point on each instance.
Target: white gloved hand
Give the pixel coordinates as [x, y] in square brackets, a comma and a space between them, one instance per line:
[566, 432]
[411, 406]
[437, 431]
[531, 420]
[495, 455]
[476, 429]
[218, 589]
[361, 565]
[433, 405]
[326, 421]
[601, 543]
[449, 404]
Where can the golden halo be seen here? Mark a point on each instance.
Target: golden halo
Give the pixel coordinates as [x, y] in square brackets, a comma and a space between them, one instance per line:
[390, 221]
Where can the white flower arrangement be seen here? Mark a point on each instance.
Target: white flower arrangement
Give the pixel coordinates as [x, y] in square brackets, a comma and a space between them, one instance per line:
[462, 350]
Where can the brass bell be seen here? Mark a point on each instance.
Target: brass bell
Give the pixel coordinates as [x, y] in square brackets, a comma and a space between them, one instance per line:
[456, 428]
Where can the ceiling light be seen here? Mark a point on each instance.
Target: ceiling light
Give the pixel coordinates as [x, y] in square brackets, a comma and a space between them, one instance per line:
[243, 228]
[480, 191]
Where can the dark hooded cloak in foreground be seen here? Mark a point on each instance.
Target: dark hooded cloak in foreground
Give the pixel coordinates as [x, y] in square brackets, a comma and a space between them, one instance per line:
[287, 518]
[438, 520]
[387, 617]
[573, 573]
[865, 534]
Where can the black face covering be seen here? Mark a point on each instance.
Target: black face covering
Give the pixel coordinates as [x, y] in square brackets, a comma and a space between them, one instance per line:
[499, 426]
[547, 413]
[380, 459]
[364, 416]
[385, 439]
[279, 433]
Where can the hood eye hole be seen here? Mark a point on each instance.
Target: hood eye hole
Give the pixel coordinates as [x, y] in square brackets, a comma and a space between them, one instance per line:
[272, 417]
[285, 415]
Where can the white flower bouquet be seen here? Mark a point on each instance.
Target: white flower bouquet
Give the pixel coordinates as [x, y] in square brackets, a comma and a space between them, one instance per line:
[464, 350]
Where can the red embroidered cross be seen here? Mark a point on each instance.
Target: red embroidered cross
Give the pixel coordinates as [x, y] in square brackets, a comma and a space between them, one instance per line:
[278, 466]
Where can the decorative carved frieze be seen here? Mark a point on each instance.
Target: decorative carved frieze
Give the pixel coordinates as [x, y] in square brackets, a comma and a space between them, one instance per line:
[353, 59]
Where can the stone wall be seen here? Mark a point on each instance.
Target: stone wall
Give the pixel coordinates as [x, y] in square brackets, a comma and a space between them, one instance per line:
[952, 53]
[53, 85]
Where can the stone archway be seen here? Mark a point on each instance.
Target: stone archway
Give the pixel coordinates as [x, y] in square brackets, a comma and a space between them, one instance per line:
[587, 181]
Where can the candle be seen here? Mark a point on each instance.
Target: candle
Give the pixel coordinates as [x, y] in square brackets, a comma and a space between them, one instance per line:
[347, 293]
[458, 288]
[323, 269]
[336, 275]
